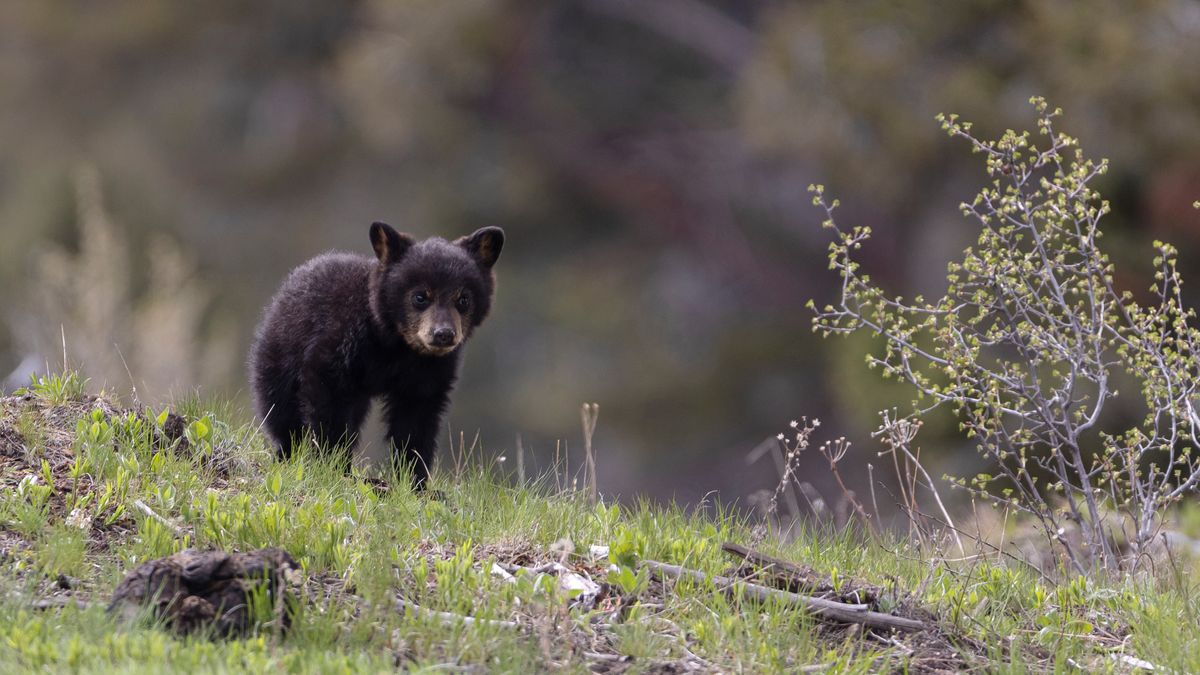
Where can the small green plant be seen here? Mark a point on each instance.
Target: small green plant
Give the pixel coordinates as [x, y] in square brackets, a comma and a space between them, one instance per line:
[624, 553]
[630, 581]
[27, 508]
[110, 505]
[199, 435]
[1029, 341]
[58, 388]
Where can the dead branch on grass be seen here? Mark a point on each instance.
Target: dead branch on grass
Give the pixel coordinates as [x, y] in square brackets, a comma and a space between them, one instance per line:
[827, 609]
[799, 574]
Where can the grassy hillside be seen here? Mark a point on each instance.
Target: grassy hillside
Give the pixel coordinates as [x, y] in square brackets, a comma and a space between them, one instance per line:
[89, 490]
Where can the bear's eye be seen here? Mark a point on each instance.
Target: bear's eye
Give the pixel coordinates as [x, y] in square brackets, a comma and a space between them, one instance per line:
[420, 300]
[464, 301]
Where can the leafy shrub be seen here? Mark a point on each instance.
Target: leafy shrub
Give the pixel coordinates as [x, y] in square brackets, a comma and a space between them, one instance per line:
[1029, 342]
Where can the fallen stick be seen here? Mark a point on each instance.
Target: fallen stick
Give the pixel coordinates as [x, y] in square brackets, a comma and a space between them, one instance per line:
[818, 606]
[144, 508]
[790, 576]
[450, 617]
[800, 573]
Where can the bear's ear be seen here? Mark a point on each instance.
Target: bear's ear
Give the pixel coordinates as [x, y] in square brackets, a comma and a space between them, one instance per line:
[484, 245]
[389, 244]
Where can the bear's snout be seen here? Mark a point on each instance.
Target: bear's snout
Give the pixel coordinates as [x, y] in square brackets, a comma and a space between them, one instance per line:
[436, 331]
[443, 336]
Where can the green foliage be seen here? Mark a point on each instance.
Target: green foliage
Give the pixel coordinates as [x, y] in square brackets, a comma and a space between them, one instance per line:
[60, 550]
[1029, 341]
[58, 388]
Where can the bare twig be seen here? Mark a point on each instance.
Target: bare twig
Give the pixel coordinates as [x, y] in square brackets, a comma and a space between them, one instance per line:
[763, 560]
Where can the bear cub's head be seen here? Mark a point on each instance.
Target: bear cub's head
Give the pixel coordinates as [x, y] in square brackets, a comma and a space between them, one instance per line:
[433, 293]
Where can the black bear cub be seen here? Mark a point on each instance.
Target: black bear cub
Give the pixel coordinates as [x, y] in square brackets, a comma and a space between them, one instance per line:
[344, 329]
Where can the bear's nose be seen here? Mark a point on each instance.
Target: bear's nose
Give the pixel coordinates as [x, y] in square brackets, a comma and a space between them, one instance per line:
[443, 337]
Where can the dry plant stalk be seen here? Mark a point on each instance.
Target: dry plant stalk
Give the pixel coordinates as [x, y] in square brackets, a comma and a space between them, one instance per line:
[897, 433]
[94, 292]
[590, 412]
[802, 431]
[834, 452]
[779, 451]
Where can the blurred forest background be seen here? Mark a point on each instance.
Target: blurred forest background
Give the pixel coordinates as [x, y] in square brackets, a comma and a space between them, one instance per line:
[164, 164]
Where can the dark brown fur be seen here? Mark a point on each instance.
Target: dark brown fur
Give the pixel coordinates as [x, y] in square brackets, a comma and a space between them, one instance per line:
[344, 329]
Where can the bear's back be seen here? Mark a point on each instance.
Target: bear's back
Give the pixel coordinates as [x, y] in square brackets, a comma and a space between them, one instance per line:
[327, 295]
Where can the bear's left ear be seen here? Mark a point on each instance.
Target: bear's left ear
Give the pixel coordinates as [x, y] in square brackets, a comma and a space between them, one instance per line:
[484, 245]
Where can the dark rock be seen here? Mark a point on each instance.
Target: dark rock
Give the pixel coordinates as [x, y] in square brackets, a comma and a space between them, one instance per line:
[194, 590]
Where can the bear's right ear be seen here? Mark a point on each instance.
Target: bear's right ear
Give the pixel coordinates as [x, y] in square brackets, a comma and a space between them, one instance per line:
[484, 245]
[389, 244]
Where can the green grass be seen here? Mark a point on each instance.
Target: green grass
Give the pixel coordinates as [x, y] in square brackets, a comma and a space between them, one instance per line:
[360, 549]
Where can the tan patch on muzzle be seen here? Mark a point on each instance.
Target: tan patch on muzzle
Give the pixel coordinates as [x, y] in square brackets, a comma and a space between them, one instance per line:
[420, 335]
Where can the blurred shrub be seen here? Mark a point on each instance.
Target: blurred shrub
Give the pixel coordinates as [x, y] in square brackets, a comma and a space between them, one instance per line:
[84, 297]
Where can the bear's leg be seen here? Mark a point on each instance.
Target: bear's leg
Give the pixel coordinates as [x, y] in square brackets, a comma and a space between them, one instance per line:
[334, 418]
[276, 399]
[413, 426]
[282, 424]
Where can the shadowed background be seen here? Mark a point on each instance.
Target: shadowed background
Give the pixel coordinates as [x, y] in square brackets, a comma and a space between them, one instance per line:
[165, 164]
